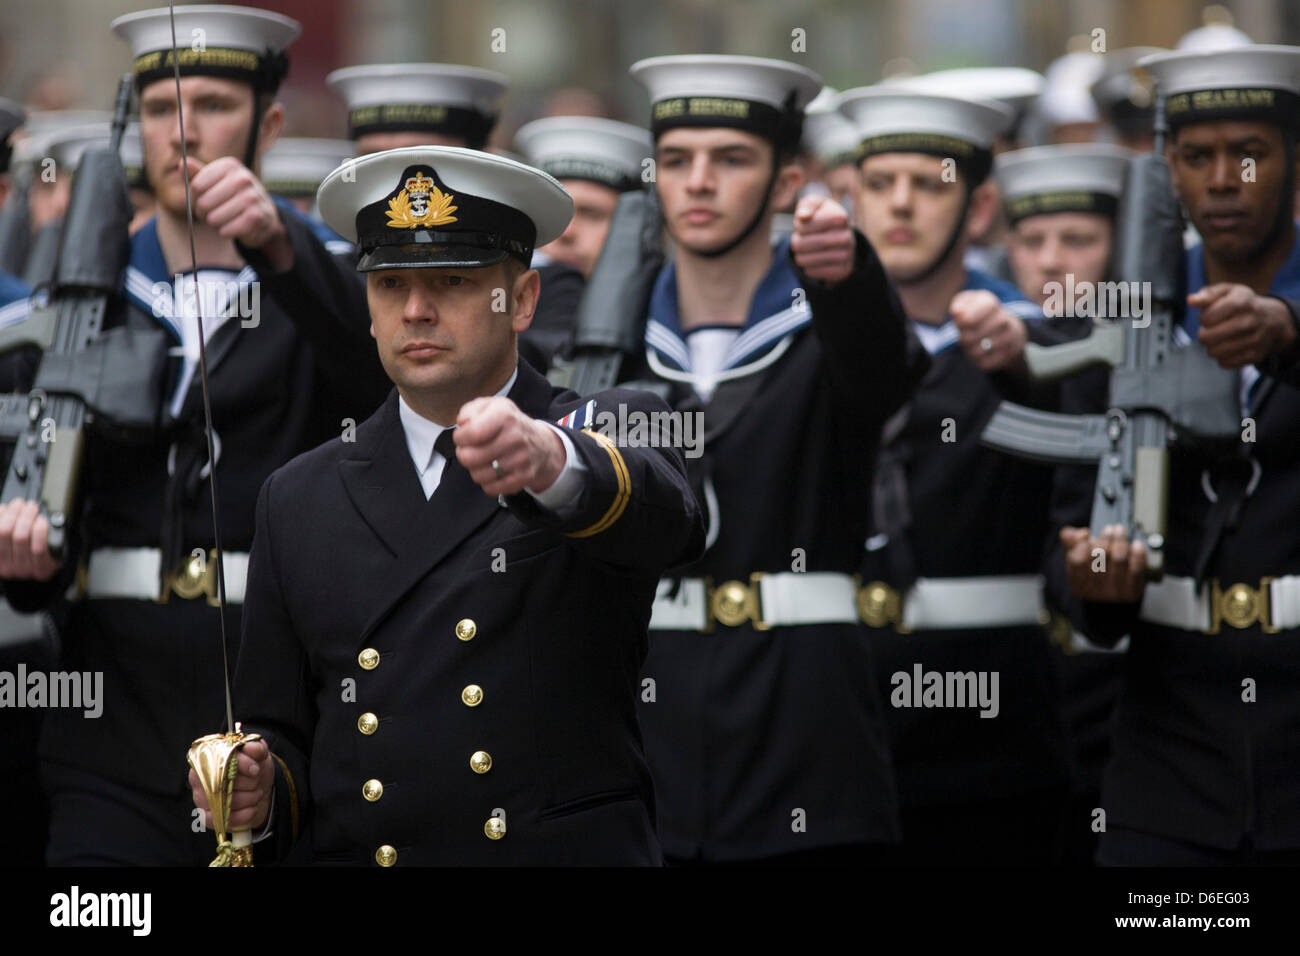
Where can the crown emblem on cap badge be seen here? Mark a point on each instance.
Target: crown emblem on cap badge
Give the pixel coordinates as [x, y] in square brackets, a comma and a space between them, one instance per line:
[420, 203]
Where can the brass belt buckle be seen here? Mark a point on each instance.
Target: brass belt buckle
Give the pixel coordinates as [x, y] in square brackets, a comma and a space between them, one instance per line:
[1241, 606]
[196, 576]
[880, 605]
[733, 603]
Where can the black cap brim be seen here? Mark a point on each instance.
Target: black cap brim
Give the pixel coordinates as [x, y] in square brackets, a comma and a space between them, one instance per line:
[424, 255]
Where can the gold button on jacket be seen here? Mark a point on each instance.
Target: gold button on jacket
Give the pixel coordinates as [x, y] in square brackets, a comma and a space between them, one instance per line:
[472, 695]
[466, 629]
[368, 659]
[481, 761]
[367, 723]
[495, 828]
[386, 855]
[372, 790]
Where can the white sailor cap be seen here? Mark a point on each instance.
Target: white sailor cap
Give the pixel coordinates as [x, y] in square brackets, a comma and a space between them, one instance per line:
[1124, 92]
[1215, 33]
[1013, 86]
[1259, 81]
[827, 133]
[1067, 89]
[421, 97]
[238, 43]
[132, 154]
[889, 120]
[64, 142]
[427, 206]
[761, 96]
[586, 147]
[1082, 177]
[295, 167]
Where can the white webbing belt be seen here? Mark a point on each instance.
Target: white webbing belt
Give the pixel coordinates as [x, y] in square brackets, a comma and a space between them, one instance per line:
[789, 598]
[1174, 602]
[1002, 600]
[132, 573]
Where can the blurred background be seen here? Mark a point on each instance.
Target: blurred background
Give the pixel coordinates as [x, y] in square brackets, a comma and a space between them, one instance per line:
[571, 56]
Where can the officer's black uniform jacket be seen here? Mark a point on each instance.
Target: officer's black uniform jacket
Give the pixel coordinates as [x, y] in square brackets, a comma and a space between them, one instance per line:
[350, 556]
[1192, 759]
[974, 511]
[277, 390]
[750, 726]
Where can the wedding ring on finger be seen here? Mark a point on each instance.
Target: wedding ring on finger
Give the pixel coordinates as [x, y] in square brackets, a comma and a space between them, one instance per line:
[496, 468]
[986, 345]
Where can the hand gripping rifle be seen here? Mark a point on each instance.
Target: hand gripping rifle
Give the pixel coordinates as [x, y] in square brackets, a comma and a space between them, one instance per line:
[1158, 393]
[87, 377]
[610, 327]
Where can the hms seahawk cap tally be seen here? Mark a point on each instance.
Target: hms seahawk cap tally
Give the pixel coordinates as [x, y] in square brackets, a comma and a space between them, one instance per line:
[890, 120]
[422, 207]
[1259, 81]
[758, 95]
[421, 97]
[236, 43]
[1084, 177]
[585, 147]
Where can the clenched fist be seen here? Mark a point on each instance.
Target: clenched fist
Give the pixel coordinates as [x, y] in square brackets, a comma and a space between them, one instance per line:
[25, 543]
[1239, 327]
[822, 243]
[528, 453]
[1122, 578]
[229, 198]
[992, 338]
[250, 804]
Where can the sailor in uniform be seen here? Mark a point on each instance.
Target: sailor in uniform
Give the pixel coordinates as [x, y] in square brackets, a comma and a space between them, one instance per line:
[446, 617]
[140, 561]
[1205, 765]
[763, 726]
[953, 560]
[1061, 202]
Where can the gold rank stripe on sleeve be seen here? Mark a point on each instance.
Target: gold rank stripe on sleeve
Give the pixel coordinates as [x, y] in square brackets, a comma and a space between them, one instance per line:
[293, 797]
[620, 498]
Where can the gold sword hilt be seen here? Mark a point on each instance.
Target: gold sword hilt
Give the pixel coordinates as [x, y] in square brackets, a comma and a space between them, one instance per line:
[215, 759]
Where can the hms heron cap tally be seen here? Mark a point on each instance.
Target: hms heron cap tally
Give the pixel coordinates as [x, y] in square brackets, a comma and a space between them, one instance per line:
[1084, 177]
[585, 147]
[421, 97]
[238, 43]
[889, 120]
[762, 96]
[428, 206]
[1259, 81]
[295, 167]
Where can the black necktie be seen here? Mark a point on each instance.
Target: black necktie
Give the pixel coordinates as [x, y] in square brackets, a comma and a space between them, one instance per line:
[455, 479]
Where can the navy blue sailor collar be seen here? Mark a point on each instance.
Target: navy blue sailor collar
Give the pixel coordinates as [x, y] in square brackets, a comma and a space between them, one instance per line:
[777, 311]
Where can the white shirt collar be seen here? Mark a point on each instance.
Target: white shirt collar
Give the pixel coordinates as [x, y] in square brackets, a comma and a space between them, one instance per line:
[422, 433]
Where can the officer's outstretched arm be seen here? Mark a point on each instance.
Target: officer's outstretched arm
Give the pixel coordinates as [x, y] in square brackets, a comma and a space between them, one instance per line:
[635, 507]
